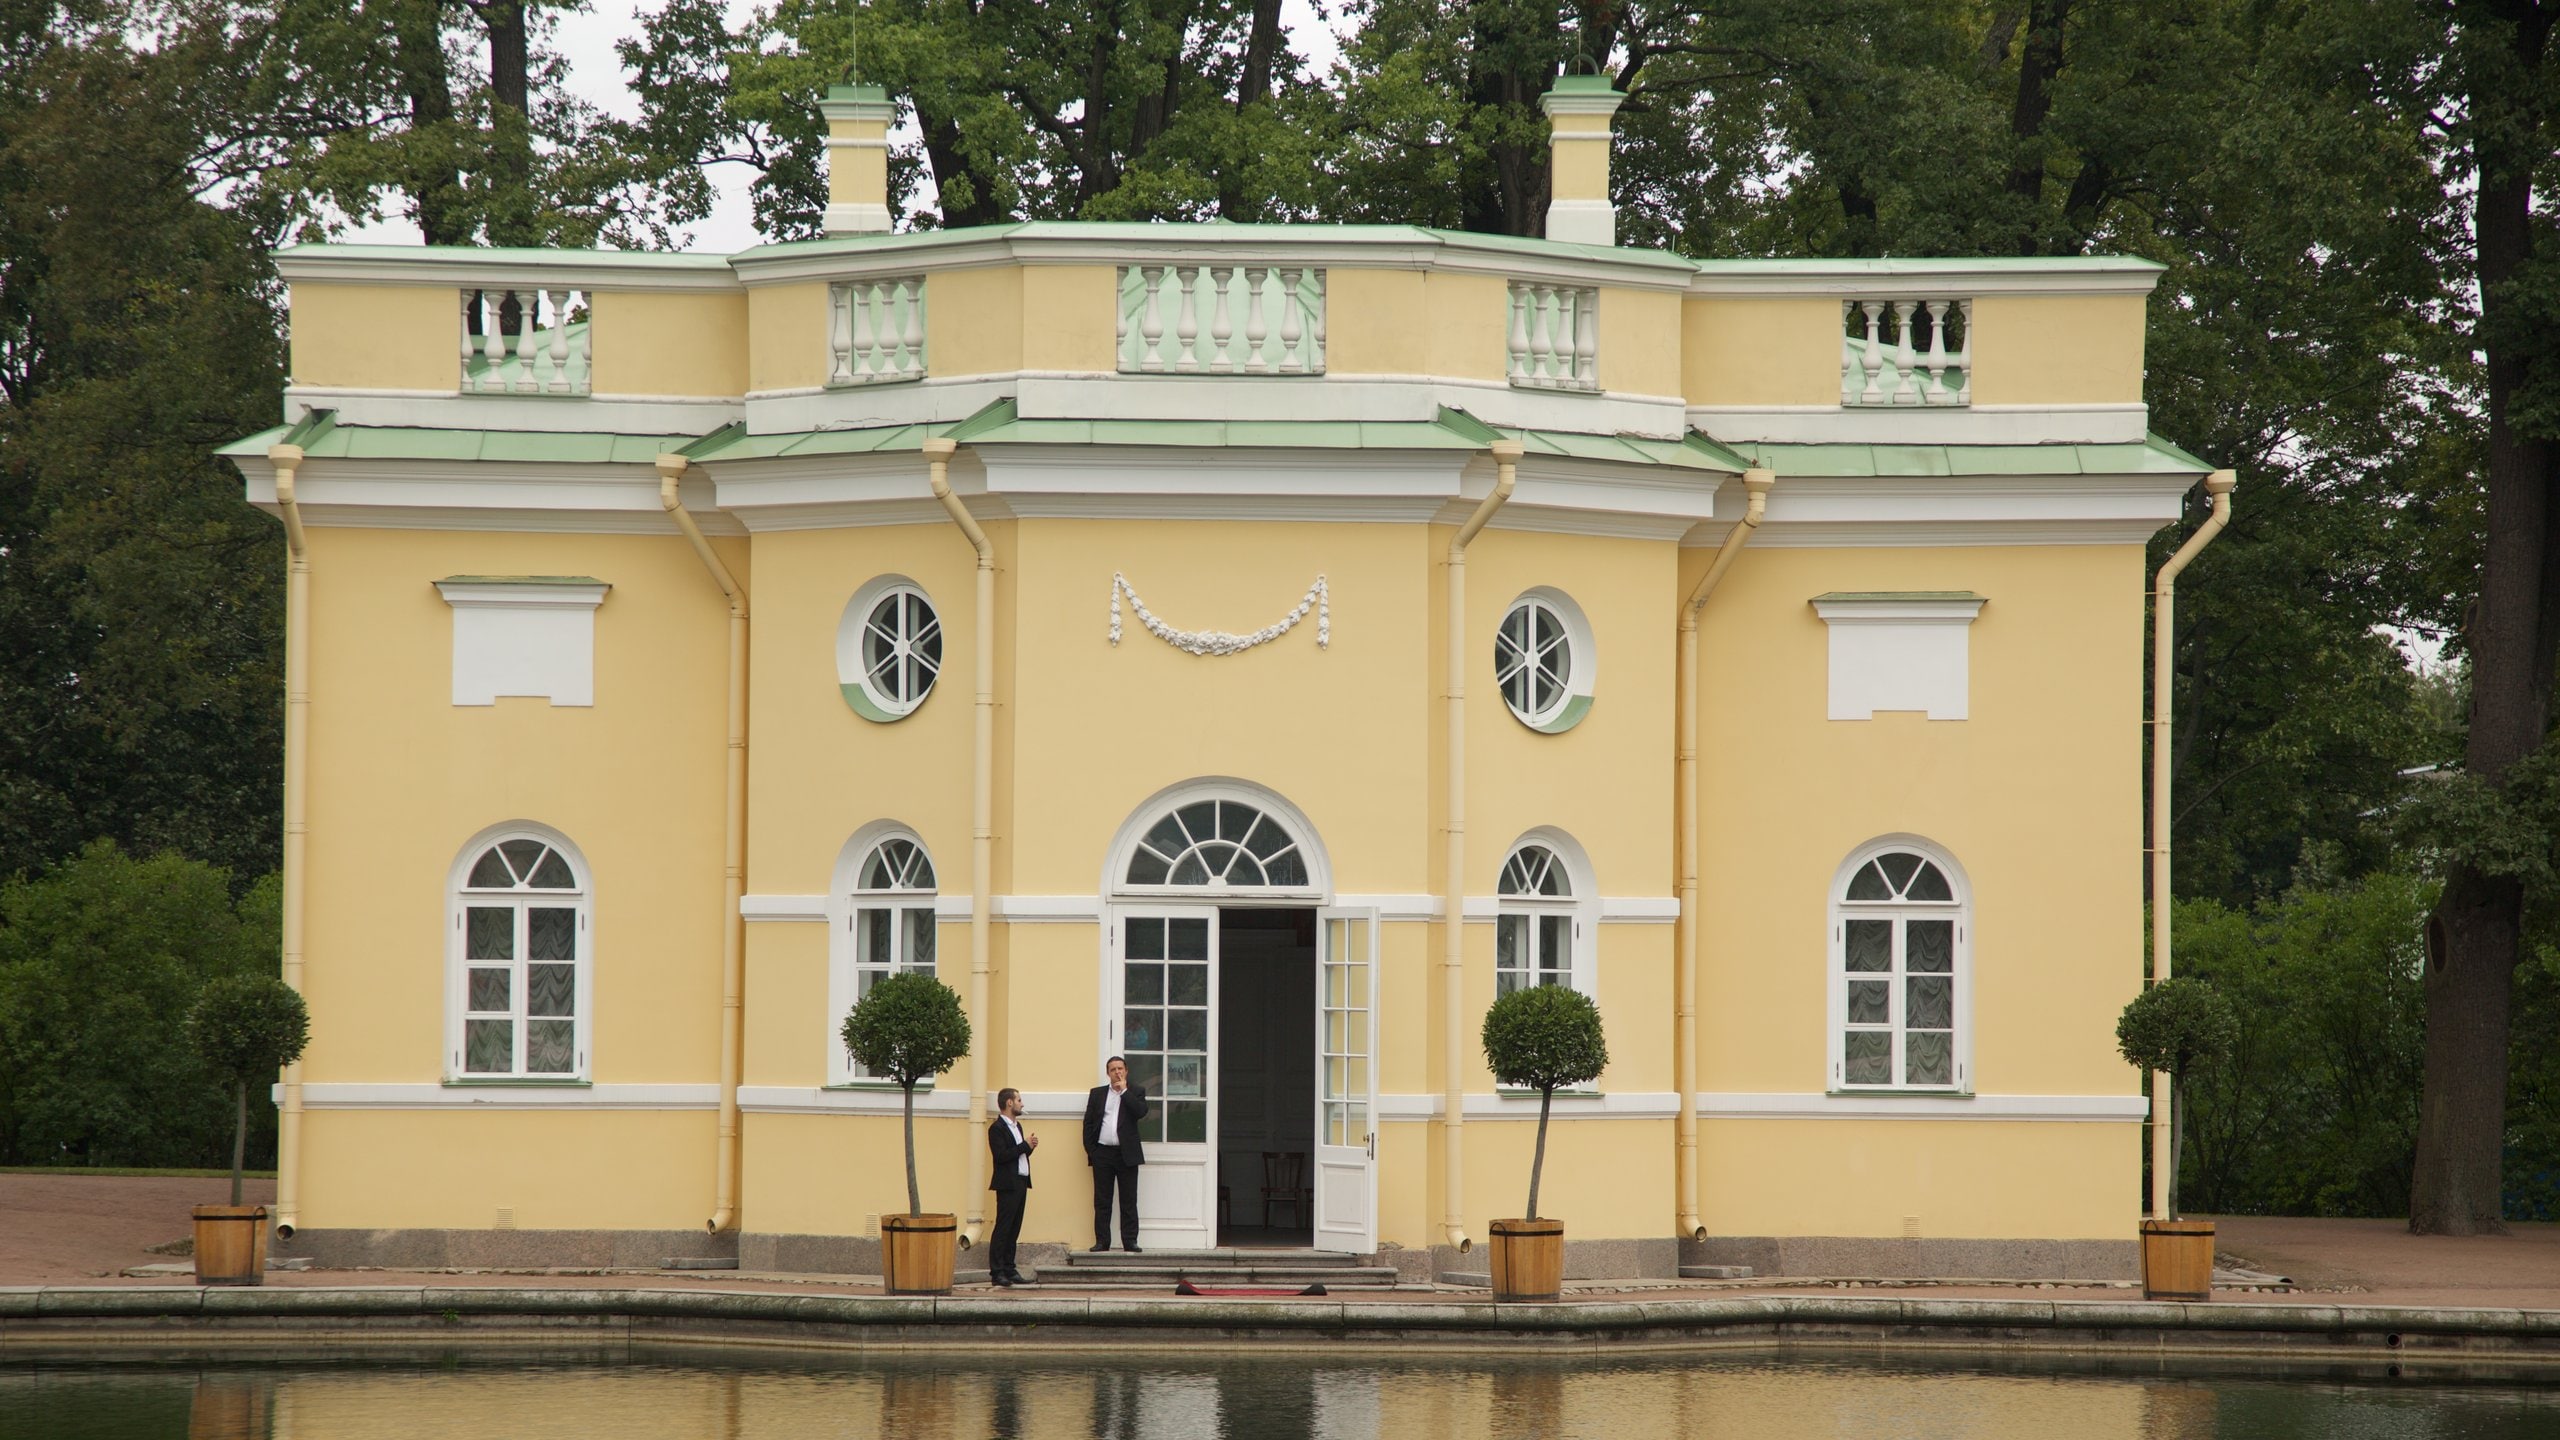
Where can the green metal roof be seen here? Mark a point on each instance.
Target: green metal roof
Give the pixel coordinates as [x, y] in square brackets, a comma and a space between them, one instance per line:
[2153, 456]
[332, 441]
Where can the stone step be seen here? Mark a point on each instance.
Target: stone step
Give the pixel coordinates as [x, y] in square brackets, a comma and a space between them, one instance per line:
[1288, 1277]
[1715, 1272]
[1153, 1258]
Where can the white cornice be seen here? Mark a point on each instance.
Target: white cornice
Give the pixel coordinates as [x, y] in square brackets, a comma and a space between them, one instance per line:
[1943, 510]
[1852, 279]
[520, 595]
[482, 495]
[1745, 425]
[461, 268]
[1616, 1105]
[851, 1100]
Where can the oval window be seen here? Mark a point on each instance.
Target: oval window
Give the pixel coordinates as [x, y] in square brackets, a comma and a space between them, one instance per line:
[1542, 661]
[888, 649]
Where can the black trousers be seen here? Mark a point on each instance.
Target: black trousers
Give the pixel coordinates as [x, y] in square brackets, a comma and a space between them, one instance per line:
[1009, 1208]
[1106, 1176]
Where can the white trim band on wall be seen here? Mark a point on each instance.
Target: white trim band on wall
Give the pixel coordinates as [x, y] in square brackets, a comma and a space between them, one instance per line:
[1086, 910]
[487, 1096]
[1761, 1105]
[1614, 909]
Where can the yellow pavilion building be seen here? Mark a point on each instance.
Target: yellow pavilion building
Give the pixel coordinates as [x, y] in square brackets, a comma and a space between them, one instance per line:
[1245, 649]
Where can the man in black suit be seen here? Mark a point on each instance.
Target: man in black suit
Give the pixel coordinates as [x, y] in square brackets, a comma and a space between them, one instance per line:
[1010, 1178]
[1112, 1148]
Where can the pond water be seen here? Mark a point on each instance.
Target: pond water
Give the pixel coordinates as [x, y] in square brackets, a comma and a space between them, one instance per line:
[722, 1395]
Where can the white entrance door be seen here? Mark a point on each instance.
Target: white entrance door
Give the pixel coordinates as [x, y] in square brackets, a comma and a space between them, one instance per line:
[1346, 1081]
[1164, 1001]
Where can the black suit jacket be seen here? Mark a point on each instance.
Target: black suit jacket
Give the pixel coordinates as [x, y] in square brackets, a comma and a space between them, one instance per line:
[1000, 1143]
[1133, 1108]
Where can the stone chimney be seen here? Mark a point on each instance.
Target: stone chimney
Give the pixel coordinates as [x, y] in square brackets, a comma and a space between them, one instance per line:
[858, 119]
[1578, 209]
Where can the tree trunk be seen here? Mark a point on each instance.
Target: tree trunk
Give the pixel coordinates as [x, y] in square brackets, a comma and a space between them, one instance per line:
[435, 187]
[1511, 62]
[239, 1140]
[1538, 1159]
[2039, 65]
[915, 1197]
[2177, 1136]
[511, 203]
[2476, 934]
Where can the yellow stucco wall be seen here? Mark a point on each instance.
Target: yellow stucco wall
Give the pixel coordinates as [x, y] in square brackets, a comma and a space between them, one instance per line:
[670, 343]
[377, 337]
[787, 335]
[2058, 350]
[1350, 734]
[456, 1169]
[973, 320]
[1640, 338]
[1739, 351]
[1070, 315]
[1416, 322]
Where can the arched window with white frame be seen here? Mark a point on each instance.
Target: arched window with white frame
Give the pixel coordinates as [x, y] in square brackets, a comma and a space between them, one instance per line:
[886, 928]
[1542, 927]
[521, 959]
[1901, 970]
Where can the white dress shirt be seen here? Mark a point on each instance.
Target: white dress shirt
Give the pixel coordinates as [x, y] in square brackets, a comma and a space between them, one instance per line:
[1110, 1132]
[1022, 1162]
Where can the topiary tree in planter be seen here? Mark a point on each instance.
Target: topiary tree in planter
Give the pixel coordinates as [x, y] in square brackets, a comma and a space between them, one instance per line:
[247, 1027]
[908, 1027]
[2177, 1026]
[1544, 1038]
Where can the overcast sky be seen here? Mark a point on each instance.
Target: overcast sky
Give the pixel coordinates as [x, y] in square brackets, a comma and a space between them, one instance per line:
[596, 74]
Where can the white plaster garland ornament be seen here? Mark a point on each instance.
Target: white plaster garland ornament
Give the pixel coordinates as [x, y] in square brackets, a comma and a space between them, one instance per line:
[1220, 642]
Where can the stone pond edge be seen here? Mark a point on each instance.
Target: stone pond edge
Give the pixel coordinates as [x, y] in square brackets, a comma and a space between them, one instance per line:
[53, 1316]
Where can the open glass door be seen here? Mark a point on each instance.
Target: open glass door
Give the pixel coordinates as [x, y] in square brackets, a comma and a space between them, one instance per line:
[1165, 991]
[1346, 1081]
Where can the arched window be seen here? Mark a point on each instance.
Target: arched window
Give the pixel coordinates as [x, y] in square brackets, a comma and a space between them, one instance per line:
[888, 929]
[1218, 845]
[521, 984]
[1901, 971]
[1539, 924]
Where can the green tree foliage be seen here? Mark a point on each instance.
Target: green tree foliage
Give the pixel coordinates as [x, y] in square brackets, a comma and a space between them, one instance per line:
[2178, 1026]
[100, 961]
[1543, 1038]
[907, 1028]
[2316, 1111]
[245, 1028]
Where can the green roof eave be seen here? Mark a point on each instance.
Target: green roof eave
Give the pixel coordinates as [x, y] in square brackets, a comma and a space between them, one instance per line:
[390, 442]
[2150, 457]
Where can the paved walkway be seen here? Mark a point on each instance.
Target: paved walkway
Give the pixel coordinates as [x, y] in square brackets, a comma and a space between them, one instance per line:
[83, 1229]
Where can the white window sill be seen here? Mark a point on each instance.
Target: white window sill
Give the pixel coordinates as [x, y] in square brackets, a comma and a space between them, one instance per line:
[546, 1082]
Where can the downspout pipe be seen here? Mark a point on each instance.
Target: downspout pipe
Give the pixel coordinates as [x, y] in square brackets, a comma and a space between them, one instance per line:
[1756, 485]
[1453, 958]
[287, 460]
[982, 822]
[733, 852]
[2164, 621]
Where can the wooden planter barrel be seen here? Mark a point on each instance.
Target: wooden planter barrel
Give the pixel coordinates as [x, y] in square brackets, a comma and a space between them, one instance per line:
[231, 1244]
[917, 1253]
[1528, 1259]
[2177, 1259]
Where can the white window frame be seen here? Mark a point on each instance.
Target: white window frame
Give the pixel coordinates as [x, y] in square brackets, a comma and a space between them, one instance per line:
[1842, 910]
[1274, 811]
[854, 677]
[912, 911]
[461, 896]
[1580, 670]
[1579, 906]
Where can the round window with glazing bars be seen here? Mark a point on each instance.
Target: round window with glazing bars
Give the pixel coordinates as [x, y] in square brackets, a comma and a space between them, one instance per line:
[889, 649]
[1542, 661]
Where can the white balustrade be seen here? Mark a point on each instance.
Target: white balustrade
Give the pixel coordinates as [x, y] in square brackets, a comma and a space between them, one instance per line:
[526, 342]
[1221, 320]
[875, 330]
[1906, 352]
[1555, 336]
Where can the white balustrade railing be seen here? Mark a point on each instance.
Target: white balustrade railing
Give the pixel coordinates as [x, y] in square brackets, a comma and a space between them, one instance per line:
[1906, 352]
[1555, 336]
[526, 342]
[1221, 320]
[875, 330]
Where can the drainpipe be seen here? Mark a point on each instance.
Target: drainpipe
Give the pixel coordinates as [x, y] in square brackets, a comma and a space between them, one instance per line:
[733, 851]
[2164, 614]
[982, 819]
[287, 459]
[1756, 485]
[1453, 959]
